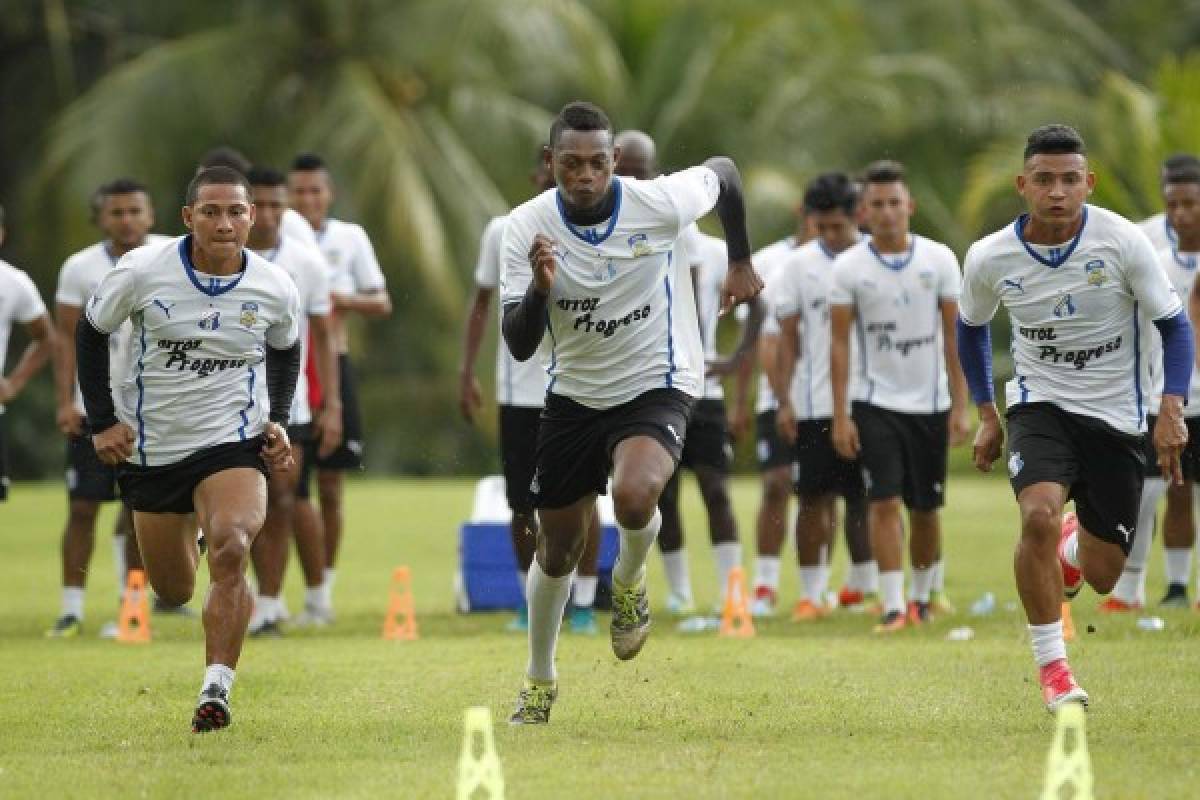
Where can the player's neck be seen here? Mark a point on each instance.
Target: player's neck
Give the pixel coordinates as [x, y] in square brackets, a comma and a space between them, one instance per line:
[215, 265]
[116, 249]
[1188, 242]
[264, 240]
[891, 243]
[1039, 231]
[317, 224]
[595, 215]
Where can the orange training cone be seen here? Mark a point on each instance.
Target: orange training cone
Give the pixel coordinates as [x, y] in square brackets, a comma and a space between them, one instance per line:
[1067, 623]
[401, 620]
[735, 616]
[134, 623]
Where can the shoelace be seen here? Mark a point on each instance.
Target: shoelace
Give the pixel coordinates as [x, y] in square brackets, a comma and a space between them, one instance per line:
[625, 603]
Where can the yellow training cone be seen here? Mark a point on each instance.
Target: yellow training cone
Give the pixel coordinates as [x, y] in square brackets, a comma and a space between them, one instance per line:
[479, 766]
[1069, 763]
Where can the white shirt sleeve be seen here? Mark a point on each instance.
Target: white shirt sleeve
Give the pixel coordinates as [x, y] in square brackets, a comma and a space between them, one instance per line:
[284, 332]
[115, 297]
[841, 293]
[364, 266]
[319, 302]
[786, 292]
[979, 299]
[691, 192]
[72, 291]
[949, 278]
[515, 272]
[30, 305]
[487, 268]
[1148, 282]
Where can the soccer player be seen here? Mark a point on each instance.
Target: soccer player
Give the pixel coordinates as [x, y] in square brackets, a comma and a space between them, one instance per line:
[1073, 278]
[358, 287]
[592, 267]
[1158, 227]
[307, 269]
[900, 293]
[294, 225]
[20, 302]
[201, 415]
[123, 212]
[800, 297]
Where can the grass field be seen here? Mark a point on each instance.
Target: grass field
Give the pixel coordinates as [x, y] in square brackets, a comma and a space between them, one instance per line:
[817, 711]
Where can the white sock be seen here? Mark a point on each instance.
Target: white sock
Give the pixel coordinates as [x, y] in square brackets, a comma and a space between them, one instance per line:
[826, 573]
[281, 608]
[264, 609]
[812, 580]
[1127, 585]
[939, 576]
[219, 674]
[868, 576]
[922, 581]
[547, 599]
[1047, 641]
[1131, 586]
[728, 555]
[523, 578]
[119, 565]
[327, 585]
[679, 580]
[766, 572]
[635, 544]
[1070, 549]
[891, 584]
[313, 597]
[1179, 564]
[72, 601]
[584, 594]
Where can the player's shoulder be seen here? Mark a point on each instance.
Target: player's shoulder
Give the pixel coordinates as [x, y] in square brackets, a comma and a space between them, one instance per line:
[494, 228]
[153, 254]
[96, 253]
[13, 274]
[996, 244]
[854, 256]
[1107, 222]
[934, 247]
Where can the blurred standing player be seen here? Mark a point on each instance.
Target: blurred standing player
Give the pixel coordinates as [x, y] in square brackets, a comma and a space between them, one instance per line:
[203, 412]
[123, 211]
[20, 302]
[800, 297]
[1073, 278]
[1158, 227]
[358, 287]
[592, 266]
[307, 269]
[899, 291]
[520, 395]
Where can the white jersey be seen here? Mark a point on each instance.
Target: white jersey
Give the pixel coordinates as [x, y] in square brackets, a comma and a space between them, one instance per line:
[802, 288]
[307, 269]
[767, 263]
[1181, 272]
[295, 226]
[901, 362]
[621, 314]
[518, 383]
[352, 262]
[19, 302]
[1077, 338]
[197, 378]
[1158, 229]
[78, 278]
[711, 261]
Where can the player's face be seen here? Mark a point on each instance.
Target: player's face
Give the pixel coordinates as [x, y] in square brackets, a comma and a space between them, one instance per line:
[220, 219]
[582, 163]
[1183, 207]
[887, 208]
[1055, 186]
[126, 218]
[311, 193]
[836, 229]
[269, 204]
[635, 165]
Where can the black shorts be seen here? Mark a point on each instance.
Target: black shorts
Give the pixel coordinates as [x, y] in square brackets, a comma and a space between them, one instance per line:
[348, 456]
[518, 454]
[708, 443]
[903, 455]
[169, 489]
[818, 469]
[576, 443]
[302, 436]
[3, 462]
[1102, 468]
[1189, 460]
[770, 448]
[88, 478]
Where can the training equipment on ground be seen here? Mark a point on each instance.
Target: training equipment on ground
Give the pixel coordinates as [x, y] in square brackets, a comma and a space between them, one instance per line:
[479, 774]
[1068, 623]
[133, 625]
[401, 620]
[735, 615]
[1069, 764]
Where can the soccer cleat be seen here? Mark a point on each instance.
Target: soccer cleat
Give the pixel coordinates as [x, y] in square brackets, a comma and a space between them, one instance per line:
[1176, 596]
[678, 604]
[806, 610]
[890, 622]
[765, 599]
[313, 617]
[519, 623]
[848, 598]
[212, 710]
[1072, 576]
[1059, 686]
[109, 630]
[630, 619]
[582, 620]
[267, 629]
[534, 702]
[918, 613]
[1115, 605]
[65, 627]
[939, 603]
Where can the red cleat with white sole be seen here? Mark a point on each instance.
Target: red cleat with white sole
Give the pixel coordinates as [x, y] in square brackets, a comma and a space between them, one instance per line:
[1059, 686]
[1072, 576]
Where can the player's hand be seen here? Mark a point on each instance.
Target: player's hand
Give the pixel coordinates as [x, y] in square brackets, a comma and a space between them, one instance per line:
[989, 439]
[543, 263]
[470, 396]
[960, 425]
[739, 422]
[720, 367]
[1170, 437]
[785, 422]
[845, 437]
[742, 283]
[328, 428]
[277, 450]
[115, 444]
[70, 421]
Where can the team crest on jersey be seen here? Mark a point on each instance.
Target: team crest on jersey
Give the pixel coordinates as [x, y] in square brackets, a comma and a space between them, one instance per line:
[1096, 276]
[249, 315]
[211, 320]
[926, 278]
[607, 270]
[640, 245]
[1064, 306]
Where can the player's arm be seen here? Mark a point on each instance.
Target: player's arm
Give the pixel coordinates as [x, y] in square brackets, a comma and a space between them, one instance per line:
[39, 350]
[111, 304]
[525, 321]
[745, 347]
[960, 420]
[329, 420]
[470, 395]
[845, 432]
[375, 303]
[739, 421]
[741, 282]
[284, 358]
[1194, 316]
[70, 421]
[975, 310]
[780, 375]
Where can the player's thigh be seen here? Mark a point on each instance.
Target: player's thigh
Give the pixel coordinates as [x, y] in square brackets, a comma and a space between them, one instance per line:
[771, 450]
[167, 543]
[925, 454]
[570, 460]
[882, 454]
[1041, 448]
[1109, 491]
[231, 502]
[645, 440]
[88, 478]
[518, 454]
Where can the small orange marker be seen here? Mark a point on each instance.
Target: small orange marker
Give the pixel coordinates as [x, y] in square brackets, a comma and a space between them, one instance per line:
[1067, 623]
[735, 616]
[133, 627]
[401, 620]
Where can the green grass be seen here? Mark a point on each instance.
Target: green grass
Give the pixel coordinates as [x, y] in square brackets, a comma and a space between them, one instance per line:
[821, 711]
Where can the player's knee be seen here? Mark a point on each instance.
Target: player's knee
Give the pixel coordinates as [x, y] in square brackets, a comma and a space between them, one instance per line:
[83, 514]
[229, 549]
[634, 504]
[1040, 519]
[176, 592]
[329, 489]
[281, 500]
[1104, 582]
[776, 488]
[559, 558]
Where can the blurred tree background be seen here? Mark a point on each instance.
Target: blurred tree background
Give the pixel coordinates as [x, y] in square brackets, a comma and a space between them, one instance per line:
[430, 113]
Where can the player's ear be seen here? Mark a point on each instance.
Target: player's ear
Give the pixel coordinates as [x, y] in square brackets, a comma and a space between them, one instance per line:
[253, 214]
[616, 153]
[187, 217]
[1021, 183]
[1091, 182]
[548, 158]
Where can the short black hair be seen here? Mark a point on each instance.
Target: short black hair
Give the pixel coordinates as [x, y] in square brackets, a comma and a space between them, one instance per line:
[308, 162]
[1182, 173]
[115, 187]
[265, 176]
[1054, 140]
[884, 171]
[831, 191]
[216, 176]
[225, 156]
[579, 116]
[1179, 161]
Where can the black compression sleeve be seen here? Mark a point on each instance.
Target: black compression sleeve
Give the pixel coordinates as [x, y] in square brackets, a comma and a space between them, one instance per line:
[91, 359]
[731, 207]
[525, 324]
[283, 369]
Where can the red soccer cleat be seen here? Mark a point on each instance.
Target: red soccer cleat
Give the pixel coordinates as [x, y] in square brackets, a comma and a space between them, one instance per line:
[1059, 686]
[848, 597]
[1115, 605]
[1072, 576]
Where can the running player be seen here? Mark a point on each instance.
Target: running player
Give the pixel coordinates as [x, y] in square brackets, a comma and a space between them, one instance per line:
[1073, 278]
[900, 293]
[358, 287]
[800, 297]
[592, 266]
[199, 417]
[123, 212]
